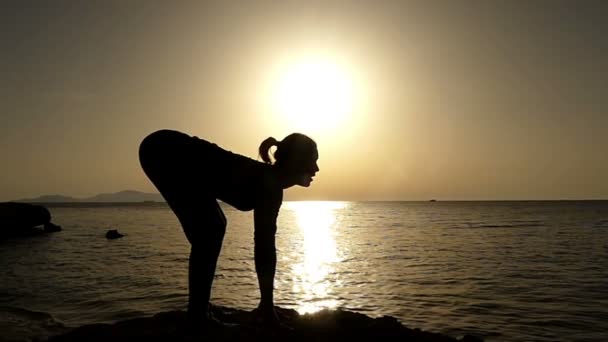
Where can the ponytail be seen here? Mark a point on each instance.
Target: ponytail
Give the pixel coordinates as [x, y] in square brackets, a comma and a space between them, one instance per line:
[265, 149]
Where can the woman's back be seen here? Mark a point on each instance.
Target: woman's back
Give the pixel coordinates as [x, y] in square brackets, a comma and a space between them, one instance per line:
[209, 169]
[238, 180]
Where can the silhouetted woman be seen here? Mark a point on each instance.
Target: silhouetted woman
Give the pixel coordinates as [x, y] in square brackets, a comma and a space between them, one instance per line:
[192, 174]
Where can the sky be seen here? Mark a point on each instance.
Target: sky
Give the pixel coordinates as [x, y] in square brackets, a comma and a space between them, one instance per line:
[407, 100]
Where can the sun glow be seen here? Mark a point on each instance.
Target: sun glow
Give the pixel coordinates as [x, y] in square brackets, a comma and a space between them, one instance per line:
[316, 221]
[314, 95]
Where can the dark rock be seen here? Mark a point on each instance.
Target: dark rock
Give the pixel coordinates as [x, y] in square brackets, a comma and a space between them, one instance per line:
[326, 325]
[113, 234]
[51, 227]
[23, 219]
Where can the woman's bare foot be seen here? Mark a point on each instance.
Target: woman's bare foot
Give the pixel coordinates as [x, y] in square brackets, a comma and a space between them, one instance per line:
[206, 321]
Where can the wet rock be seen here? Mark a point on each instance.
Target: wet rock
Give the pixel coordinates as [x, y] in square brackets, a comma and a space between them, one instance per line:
[51, 227]
[326, 325]
[113, 234]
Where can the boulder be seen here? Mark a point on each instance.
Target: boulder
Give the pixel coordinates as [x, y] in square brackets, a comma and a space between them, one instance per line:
[23, 219]
[113, 234]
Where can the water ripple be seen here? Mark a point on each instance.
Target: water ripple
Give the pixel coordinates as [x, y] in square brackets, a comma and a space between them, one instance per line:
[507, 271]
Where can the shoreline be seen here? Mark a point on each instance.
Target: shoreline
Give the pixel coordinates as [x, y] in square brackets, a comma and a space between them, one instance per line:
[325, 325]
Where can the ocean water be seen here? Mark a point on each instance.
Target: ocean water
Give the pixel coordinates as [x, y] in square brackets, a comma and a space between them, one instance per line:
[506, 271]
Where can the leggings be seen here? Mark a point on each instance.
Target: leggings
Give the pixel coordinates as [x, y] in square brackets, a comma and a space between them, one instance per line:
[176, 164]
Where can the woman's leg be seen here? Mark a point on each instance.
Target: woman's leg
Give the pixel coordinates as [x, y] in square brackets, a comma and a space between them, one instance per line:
[204, 225]
[165, 161]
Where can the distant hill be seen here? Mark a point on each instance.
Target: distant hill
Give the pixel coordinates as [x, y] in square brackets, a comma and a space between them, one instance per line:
[126, 196]
[50, 199]
[117, 197]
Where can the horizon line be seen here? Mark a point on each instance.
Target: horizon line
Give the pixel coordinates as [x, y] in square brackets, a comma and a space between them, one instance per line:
[331, 200]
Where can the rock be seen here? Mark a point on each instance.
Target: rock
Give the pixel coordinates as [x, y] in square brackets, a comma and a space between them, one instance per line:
[22, 219]
[471, 338]
[327, 325]
[51, 227]
[23, 215]
[113, 234]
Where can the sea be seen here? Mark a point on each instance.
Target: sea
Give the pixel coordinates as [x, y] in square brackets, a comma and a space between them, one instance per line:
[504, 271]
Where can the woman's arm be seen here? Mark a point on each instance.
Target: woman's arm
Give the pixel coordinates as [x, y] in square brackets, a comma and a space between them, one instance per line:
[265, 226]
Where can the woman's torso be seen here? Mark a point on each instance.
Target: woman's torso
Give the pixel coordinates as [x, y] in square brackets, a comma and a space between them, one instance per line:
[230, 177]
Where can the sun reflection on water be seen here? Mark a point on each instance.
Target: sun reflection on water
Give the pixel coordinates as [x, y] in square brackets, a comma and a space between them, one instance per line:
[316, 222]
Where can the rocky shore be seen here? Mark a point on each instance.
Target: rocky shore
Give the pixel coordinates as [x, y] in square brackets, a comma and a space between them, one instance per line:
[327, 325]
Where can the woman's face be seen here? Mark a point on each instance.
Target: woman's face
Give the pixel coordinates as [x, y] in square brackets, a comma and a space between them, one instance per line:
[308, 169]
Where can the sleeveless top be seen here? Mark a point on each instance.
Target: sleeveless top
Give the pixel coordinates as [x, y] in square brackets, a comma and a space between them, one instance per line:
[236, 179]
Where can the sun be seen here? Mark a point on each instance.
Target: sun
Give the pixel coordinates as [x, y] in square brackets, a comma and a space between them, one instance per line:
[315, 95]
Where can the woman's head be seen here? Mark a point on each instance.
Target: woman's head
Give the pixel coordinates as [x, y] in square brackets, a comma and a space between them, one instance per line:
[296, 157]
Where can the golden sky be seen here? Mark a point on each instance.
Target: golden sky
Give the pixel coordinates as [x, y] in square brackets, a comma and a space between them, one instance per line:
[407, 100]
